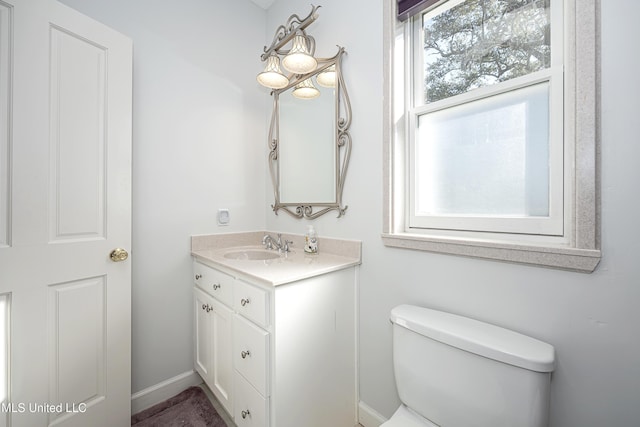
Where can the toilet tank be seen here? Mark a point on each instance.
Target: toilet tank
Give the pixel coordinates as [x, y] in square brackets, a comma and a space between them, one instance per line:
[459, 372]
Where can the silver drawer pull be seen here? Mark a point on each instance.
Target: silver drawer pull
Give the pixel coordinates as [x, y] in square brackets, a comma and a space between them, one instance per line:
[209, 308]
[244, 354]
[244, 301]
[198, 276]
[216, 286]
[245, 413]
[204, 306]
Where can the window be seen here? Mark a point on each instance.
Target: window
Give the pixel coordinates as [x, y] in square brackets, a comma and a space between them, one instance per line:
[484, 138]
[490, 159]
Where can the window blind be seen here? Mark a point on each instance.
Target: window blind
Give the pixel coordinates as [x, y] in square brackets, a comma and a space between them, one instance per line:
[407, 8]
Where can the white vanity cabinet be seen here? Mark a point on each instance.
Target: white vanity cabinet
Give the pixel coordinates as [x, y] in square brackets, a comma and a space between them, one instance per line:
[289, 350]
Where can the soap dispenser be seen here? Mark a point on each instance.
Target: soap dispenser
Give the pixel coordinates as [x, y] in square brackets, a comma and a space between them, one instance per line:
[311, 240]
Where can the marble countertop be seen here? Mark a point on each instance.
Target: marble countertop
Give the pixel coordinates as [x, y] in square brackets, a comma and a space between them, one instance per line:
[334, 254]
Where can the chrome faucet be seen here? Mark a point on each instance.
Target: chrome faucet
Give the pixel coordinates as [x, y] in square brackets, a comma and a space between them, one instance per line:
[270, 243]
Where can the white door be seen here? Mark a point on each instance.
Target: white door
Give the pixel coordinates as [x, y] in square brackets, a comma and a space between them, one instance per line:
[65, 204]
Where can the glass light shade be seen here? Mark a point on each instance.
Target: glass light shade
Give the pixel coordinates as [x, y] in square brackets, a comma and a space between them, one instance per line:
[327, 78]
[306, 90]
[272, 76]
[298, 60]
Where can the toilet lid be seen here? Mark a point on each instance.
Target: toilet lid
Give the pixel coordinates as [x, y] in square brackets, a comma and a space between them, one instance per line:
[405, 417]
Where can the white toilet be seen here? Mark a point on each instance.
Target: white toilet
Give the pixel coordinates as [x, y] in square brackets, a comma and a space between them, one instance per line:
[452, 371]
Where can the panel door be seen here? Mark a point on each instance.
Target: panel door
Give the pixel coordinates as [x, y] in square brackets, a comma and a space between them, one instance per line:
[65, 204]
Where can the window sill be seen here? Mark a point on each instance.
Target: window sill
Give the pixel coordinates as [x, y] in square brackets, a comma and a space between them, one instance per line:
[560, 257]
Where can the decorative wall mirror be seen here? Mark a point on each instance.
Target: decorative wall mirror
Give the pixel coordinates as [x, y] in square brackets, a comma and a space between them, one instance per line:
[309, 140]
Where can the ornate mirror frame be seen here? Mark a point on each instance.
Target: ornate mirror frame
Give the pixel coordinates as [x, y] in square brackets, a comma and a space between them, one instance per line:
[342, 121]
[342, 142]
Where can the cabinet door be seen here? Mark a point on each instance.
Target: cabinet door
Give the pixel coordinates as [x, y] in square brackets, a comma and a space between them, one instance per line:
[221, 373]
[203, 337]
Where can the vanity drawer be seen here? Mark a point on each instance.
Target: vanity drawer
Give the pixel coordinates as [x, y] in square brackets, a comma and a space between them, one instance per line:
[251, 353]
[252, 302]
[215, 283]
[250, 408]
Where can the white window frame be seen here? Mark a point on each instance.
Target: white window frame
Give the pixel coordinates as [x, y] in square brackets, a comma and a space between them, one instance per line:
[551, 225]
[576, 246]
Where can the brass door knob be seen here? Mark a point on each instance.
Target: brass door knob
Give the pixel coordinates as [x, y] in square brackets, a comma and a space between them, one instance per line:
[118, 254]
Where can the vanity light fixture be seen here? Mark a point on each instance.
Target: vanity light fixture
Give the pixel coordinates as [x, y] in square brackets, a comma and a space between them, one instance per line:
[272, 76]
[306, 90]
[327, 78]
[292, 47]
[299, 60]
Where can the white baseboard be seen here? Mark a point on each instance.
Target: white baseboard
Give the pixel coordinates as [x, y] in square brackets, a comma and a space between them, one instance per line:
[368, 417]
[162, 391]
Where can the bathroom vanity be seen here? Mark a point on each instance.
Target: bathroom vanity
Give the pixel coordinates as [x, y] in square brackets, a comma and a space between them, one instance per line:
[276, 333]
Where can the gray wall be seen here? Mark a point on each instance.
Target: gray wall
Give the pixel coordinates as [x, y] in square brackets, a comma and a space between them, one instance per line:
[199, 144]
[592, 320]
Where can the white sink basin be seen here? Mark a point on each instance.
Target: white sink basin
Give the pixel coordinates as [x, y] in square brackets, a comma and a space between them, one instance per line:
[252, 254]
